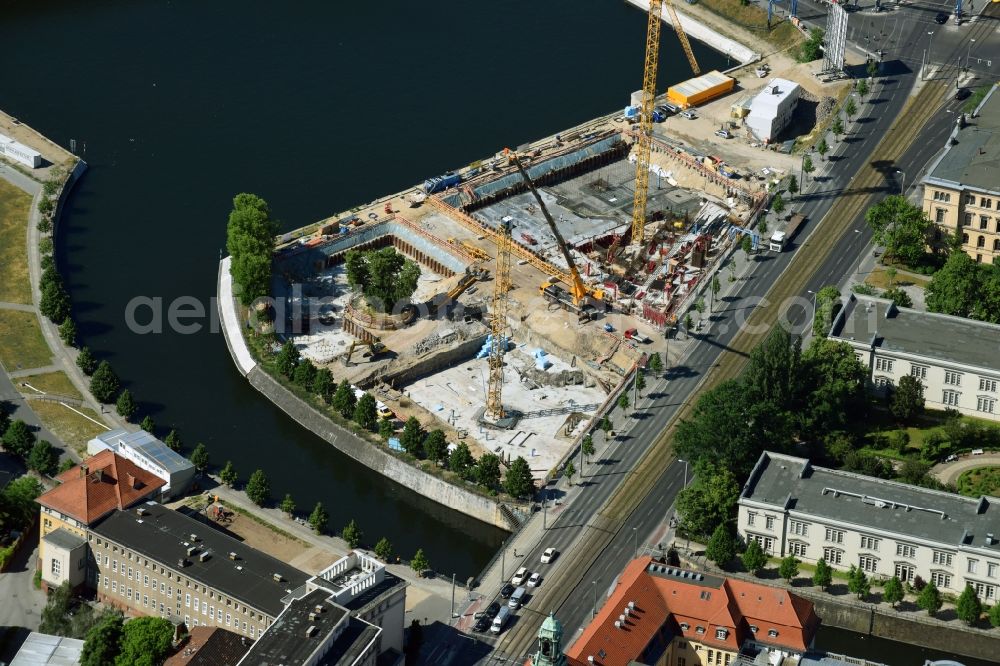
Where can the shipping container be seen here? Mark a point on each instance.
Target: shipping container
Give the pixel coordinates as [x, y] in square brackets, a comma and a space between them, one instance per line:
[700, 89]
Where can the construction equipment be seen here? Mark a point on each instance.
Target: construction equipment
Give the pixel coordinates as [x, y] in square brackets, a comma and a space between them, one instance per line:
[580, 292]
[477, 252]
[498, 323]
[682, 36]
[375, 348]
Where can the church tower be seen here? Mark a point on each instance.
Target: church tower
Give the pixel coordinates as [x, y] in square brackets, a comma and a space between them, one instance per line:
[550, 650]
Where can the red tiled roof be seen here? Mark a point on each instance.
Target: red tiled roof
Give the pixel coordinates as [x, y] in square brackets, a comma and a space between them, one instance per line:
[100, 485]
[679, 607]
[210, 646]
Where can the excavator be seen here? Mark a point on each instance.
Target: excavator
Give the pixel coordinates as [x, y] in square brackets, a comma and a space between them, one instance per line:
[581, 295]
[375, 349]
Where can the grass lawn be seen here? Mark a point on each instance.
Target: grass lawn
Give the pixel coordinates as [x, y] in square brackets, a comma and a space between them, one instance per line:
[21, 343]
[882, 421]
[754, 19]
[979, 481]
[878, 278]
[50, 382]
[70, 427]
[14, 207]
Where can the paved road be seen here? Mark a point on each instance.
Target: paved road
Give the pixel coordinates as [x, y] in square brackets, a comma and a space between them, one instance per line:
[21, 606]
[949, 472]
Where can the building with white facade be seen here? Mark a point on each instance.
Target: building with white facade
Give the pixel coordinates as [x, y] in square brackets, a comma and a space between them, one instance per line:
[772, 109]
[886, 528]
[150, 454]
[956, 359]
[20, 153]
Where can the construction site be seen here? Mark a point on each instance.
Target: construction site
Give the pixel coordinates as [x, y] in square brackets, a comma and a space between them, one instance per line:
[548, 272]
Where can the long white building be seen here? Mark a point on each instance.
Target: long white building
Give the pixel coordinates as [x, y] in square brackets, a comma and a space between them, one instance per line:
[771, 110]
[886, 528]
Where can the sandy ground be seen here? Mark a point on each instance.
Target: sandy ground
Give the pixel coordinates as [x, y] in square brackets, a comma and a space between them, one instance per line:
[52, 153]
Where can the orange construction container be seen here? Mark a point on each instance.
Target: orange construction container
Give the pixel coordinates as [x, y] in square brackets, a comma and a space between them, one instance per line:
[700, 89]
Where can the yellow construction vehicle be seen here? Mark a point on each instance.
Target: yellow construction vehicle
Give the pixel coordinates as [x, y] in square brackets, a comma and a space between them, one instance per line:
[477, 252]
[375, 349]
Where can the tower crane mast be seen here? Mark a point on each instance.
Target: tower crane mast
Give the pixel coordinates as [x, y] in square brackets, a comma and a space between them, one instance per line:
[498, 323]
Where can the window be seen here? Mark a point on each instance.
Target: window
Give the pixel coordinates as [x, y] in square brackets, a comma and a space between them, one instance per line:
[773, 633]
[833, 556]
[106, 582]
[211, 611]
[769, 522]
[965, 239]
[699, 629]
[996, 241]
[985, 203]
[939, 215]
[685, 626]
[105, 560]
[918, 371]
[868, 563]
[145, 581]
[798, 527]
[984, 222]
[967, 220]
[984, 591]
[721, 634]
[991, 569]
[942, 558]
[219, 615]
[981, 241]
[114, 566]
[905, 550]
[834, 536]
[870, 543]
[130, 573]
[195, 606]
[950, 398]
[56, 567]
[797, 548]
[953, 378]
[187, 600]
[988, 385]
[145, 599]
[130, 593]
[904, 572]
[881, 381]
[766, 543]
[941, 579]
[114, 586]
[985, 404]
[973, 566]
[229, 619]
[751, 517]
[681, 661]
[883, 364]
[942, 196]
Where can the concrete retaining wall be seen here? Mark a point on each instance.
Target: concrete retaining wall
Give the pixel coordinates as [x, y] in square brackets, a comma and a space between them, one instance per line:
[697, 30]
[436, 362]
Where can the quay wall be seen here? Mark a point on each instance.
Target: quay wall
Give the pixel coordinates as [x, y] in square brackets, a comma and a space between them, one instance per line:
[703, 33]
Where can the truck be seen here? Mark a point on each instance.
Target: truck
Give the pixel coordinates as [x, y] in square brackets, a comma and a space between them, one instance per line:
[780, 238]
[441, 183]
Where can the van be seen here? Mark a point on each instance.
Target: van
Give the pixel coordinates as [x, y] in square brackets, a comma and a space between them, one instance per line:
[517, 598]
[500, 620]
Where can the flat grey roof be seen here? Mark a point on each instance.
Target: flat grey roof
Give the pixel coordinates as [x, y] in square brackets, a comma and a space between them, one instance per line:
[285, 641]
[161, 534]
[149, 446]
[974, 158]
[879, 505]
[47, 650]
[922, 333]
[63, 538]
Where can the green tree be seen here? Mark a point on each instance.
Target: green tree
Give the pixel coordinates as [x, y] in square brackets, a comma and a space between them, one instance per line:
[968, 607]
[807, 166]
[318, 518]
[995, 615]
[754, 558]
[173, 440]
[487, 471]
[827, 306]
[837, 127]
[104, 383]
[147, 424]
[145, 641]
[789, 568]
[640, 381]
[569, 470]
[412, 439]
[822, 147]
[956, 288]
[419, 563]
[834, 386]
[55, 303]
[823, 575]
[67, 332]
[386, 428]
[86, 362]
[901, 227]
[258, 488]
[892, 592]
[43, 458]
[747, 246]
[461, 461]
[518, 482]
[288, 505]
[250, 237]
[383, 549]
[929, 599]
[18, 499]
[56, 615]
[323, 383]
[656, 363]
[101, 645]
[45, 206]
[851, 108]
[587, 447]
[228, 474]
[365, 413]
[199, 457]
[812, 48]
[435, 446]
[907, 401]
[384, 276]
[18, 438]
[126, 405]
[778, 204]
[606, 425]
[862, 87]
[623, 402]
[66, 465]
[287, 359]
[899, 297]
[793, 186]
[872, 68]
[721, 548]
[352, 534]
[304, 374]
[710, 500]
[858, 583]
[344, 400]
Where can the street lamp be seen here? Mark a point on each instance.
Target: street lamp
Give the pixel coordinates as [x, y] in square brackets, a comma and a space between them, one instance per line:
[927, 55]
[813, 318]
[860, 258]
[635, 539]
[594, 583]
[685, 472]
[968, 52]
[902, 182]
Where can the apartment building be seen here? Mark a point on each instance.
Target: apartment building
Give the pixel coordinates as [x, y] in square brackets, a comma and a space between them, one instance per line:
[962, 186]
[954, 358]
[886, 528]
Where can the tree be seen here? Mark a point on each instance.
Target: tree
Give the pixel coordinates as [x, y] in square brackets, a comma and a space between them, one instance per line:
[56, 613]
[710, 500]
[837, 127]
[929, 599]
[228, 474]
[18, 499]
[640, 381]
[104, 383]
[807, 165]
[789, 568]
[43, 458]
[287, 359]
[569, 470]
[365, 413]
[834, 387]
[67, 332]
[173, 440]
[18, 439]
[822, 147]
[55, 303]
[793, 186]
[892, 592]
[851, 108]
[412, 439]
[126, 405]
[968, 607]
[956, 288]
[288, 505]
[4, 420]
[436, 446]
[872, 68]
[419, 562]
[323, 383]
[907, 399]
[344, 400]
[383, 549]
[778, 204]
[747, 246]
[827, 305]
[995, 615]
[86, 362]
[656, 363]
[352, 534]
[145, 641]
[823, 575]
[812, 48]
[250, 241]
[461, 461]
[101, 645]
[318, 518]
[721, 548]
[147, 424]
[199, 457]
[858, 583]
[384, 276]
[862, 87]
[487, 471]
[386, 428]
[519, 482]
[623, 402]
[587, 447]
[304, 374]
[258, 488]
[754, 558]
[899, 297]
[45, 206]
[901, 227]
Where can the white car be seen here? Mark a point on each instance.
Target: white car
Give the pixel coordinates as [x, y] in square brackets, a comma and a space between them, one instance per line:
[519, 576]
[535, 580]
[690, 115]
[549, 555]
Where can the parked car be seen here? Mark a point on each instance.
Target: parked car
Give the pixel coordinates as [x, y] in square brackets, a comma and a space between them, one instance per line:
[725, 134]
[535, 580]
[493, 609]
[962, 93]
[951, 458]
[659, 115]
[482, 624]
[940, 18]
[506, 591]
[549, 555]
[520, 576]
[690, 115]
[977, 452]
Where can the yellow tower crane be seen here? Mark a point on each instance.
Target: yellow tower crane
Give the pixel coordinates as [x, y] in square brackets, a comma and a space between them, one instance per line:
[498, 323]
[645, 134]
